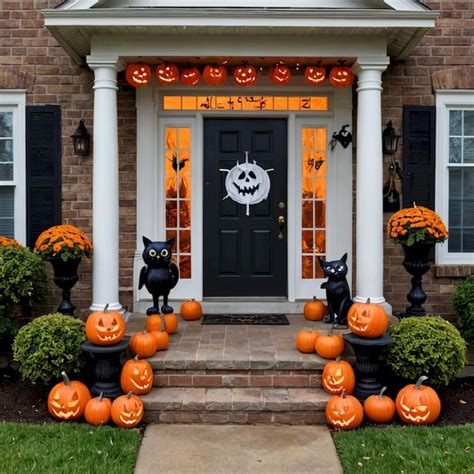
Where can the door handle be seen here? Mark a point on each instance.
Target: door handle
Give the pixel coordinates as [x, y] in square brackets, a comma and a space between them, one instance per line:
[281, 224]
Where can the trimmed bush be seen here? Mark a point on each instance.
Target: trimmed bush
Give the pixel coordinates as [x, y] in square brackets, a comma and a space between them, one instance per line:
[426, 345]
[48, 345]
[463, 303]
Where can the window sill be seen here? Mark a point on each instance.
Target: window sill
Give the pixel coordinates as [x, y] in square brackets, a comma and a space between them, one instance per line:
[453, 271]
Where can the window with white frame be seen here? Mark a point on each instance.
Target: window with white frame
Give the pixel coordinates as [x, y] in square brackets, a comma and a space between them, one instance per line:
[12, 165]
[455, 175]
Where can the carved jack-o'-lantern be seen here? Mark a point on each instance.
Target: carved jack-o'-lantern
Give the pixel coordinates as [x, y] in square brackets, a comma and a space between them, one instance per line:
[418, 404]
[127, 411]
[280, 75]
[214, 75]
[341, 76]
[245, 75]
[337, 376]
[67, 400]
[315, 75]
[136, 376]
[367, 319]
[138, 75]
[344, 411]
[167, 74]
[105, 327]
[190, 76]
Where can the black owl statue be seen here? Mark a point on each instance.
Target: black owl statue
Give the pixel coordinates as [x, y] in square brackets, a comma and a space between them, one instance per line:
[160, 275]
[338, 294]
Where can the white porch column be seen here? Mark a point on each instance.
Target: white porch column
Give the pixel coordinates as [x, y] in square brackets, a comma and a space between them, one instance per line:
[369, 209]
[105, 196]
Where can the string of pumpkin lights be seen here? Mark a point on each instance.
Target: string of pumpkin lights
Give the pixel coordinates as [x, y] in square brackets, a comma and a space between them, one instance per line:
[139, 75]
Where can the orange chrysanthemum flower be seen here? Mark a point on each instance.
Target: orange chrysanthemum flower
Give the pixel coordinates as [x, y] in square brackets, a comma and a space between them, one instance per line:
[8, 242]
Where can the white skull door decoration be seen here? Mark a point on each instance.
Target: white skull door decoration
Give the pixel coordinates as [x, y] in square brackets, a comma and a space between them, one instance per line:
[247, 183]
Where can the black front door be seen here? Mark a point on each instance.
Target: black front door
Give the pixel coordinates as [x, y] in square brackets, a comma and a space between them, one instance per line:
[245, 255]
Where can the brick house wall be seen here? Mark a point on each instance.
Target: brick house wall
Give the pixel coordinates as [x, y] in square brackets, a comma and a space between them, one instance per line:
[31, 59]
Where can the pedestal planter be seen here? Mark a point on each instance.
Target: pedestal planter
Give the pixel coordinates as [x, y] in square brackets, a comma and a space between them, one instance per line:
[65, 276]
[417, 263]
[367, 366]
[105, 366]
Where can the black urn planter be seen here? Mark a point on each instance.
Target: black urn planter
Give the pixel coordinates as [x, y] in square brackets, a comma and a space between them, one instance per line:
[417, 262]
[65, 276]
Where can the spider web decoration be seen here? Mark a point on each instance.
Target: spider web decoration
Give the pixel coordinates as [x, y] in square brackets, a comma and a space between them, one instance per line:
[247, 183]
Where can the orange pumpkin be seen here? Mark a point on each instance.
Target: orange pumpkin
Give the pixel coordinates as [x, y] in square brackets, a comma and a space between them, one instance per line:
[127, 410]
[143, 344]
[315, 75]
[153, 323]
[67, 400]
[330, 346]
[344, 411]
[105, 327]
[341, 76]
[191, 310]
[379, 408]
[162, 339]
[418, 404]
[97, 410]
[138, 75]
[280, 75]
[136, 376]
[171, 323]
[367, 319]
[245, 75]
[337, 376]
[214, 75]
[305, 340]
[314, 310]
[167, 74]
[190, 76]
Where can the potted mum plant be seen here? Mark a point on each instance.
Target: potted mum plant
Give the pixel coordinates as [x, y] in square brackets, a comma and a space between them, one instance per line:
[417, 229]
[64, 246]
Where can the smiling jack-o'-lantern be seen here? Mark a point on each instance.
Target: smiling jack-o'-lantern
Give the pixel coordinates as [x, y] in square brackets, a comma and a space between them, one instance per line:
[245, 75]
[67, 400]
[138, 75]
[214, 75]
[367, 319]
[344, 411]
[97, 410]
[337, 376]
[341, 76]
[418, 404]
[190, 76]
[127, 410]
[315, 75]
[280, 75]
[379, 408]
[167, 74]
[136, 376]
[105, 327]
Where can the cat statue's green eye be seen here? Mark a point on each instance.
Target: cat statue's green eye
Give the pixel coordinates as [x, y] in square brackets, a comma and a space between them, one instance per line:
[152, 253]
[164, 253]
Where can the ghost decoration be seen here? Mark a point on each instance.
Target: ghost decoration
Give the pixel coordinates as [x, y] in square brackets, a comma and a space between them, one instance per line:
[247, 183]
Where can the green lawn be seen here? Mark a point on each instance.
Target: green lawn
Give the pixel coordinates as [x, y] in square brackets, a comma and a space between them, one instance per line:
[67, 448]
[407, 449]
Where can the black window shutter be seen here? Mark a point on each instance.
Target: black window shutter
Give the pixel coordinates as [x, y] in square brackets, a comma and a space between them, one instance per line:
[43, 169]
[419, 141]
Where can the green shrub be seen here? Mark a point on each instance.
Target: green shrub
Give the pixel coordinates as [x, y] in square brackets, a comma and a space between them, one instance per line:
[23, 280]
[426, 345]
[48, 345]
[463, 303]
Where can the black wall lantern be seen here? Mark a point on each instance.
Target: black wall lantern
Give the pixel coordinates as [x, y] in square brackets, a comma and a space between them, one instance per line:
[81, 140]
[390, 140]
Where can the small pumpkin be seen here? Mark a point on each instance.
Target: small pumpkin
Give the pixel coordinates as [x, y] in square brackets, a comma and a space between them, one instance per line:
[367, 319]
[171, 323]
[136, 376]
[280, 75]
[305, 340]
[379, 408]
[143, 344]
[167, 74]
[153, 322]
[67, 400]
[127, 410]
[190, 76]
[314, 310]
[162, 339]
[418, 404]
[337, 376]
[344, 411]
[97, 410]
[315, 75]
[191, 310]
[105, 327]
[214, 75]
[341, 76]
[138, 75]
[245, 75]
[330, 346]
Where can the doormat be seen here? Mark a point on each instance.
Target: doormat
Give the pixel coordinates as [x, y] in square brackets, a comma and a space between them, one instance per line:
[252, 319]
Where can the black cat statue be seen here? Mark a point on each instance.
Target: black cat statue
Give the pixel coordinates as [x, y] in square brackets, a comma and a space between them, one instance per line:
[160, 275]
[338, 294]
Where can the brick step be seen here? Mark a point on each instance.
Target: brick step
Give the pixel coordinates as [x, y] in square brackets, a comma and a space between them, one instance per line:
[238, 378]
[236, 405]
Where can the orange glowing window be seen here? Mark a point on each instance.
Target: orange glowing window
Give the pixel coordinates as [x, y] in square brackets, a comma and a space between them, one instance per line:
[177, 153]
[313, 200]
